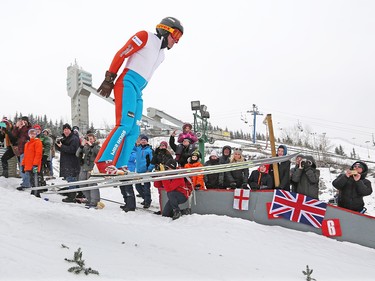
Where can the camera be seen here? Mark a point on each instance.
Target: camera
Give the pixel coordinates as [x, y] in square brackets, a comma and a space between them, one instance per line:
[58, 140]
[305, 161]
[353, 172]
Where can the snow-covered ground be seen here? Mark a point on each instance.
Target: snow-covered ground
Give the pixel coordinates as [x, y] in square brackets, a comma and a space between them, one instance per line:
[143, 246]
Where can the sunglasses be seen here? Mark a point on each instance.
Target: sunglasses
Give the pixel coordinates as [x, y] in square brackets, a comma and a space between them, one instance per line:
[357, 166]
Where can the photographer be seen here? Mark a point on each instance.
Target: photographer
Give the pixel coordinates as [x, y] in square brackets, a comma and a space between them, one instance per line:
[352, 186]
[20, 132]
[69, 162]
[305, 177]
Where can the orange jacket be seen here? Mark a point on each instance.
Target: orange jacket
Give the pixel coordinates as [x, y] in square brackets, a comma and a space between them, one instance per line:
[199, 179]
[33, 153]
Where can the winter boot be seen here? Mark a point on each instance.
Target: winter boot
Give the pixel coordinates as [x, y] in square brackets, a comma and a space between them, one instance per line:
[186, 211]
[5, 173]
[176, 214]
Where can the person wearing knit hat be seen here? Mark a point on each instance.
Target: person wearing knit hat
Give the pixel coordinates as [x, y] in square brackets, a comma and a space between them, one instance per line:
[143, 137]
[178, 192]
[353, 186]
[144, 155]
[212, 180]
[32, 161]
[67, 126]
[69, 162]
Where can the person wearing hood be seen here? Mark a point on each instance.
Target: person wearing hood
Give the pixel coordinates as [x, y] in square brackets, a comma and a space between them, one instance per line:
[353, 186]
[212, 180]
[194, 162]
[305, 177]
[284, 169]
[226, 153]
[260, 179]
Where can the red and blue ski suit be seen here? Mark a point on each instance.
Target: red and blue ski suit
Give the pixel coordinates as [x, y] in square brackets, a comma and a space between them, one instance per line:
[144, 55]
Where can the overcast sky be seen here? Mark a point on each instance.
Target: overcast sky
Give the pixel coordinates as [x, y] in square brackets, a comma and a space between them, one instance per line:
[307, 62]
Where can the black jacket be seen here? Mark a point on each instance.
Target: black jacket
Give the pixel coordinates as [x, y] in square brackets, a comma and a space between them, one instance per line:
[212, 180]
[265, 180]
[161, 156]
[69, 162]
[351, 192]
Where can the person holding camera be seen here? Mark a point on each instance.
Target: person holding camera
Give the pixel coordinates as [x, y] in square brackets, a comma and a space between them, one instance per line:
[304, 177]
[87, 153]
[353, 186]
[69, 162]
[20, 132]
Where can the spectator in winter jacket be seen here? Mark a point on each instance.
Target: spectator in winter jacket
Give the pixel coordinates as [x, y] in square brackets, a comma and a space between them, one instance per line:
[46, 151]
[86, 154]
[9, 141]
[47, 165]
[353, 186]
[305, 177]
[69, 162]
[178, 192]
[212, 180]
[143, 164]
[20, 132]
[237, 178]
[260, 179]
[226, 153]
[187, 133]
[194, 162]
[283, 169]
[32, 160]
[160, 157]
[182, 150]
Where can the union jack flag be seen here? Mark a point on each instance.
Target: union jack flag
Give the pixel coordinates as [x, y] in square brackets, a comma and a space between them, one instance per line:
[298, 208]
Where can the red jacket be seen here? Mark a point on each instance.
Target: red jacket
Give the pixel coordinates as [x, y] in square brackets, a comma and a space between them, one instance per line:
[33, 153]
[177, 185]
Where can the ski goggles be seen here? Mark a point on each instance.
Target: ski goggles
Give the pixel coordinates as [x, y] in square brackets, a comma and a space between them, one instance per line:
[175, 33]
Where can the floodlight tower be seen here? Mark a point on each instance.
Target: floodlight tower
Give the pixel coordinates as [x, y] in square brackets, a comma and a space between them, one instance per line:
[79, 96]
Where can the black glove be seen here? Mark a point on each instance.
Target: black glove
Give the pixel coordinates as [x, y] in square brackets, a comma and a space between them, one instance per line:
[233, 185]
[244, 186]
[106, 87]
[23, 169]
[197, 187]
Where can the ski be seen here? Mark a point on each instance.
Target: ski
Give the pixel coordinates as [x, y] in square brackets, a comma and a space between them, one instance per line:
[181, 173]
[107, 179]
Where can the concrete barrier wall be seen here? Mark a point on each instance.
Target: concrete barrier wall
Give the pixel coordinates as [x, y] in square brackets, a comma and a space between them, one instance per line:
[355, 227]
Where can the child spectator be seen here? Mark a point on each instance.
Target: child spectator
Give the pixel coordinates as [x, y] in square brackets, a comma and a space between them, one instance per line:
[260, 179]
[32, 160]
[194, 162]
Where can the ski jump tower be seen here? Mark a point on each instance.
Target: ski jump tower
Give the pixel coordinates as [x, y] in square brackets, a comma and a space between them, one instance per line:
[79, 95]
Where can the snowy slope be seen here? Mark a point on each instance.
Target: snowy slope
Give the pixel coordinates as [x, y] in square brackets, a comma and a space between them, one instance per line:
[144, 246]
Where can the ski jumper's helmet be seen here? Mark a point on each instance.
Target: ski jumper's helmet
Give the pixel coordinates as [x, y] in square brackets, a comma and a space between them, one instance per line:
[170, 25]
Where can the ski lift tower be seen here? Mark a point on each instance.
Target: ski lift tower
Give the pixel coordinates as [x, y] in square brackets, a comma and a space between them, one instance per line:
[79, 96]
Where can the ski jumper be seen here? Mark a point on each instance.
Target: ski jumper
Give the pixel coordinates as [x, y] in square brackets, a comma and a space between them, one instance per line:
[144, 55]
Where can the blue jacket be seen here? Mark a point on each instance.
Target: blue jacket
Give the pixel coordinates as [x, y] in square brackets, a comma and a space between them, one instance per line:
[143, 158]
[131, 163]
